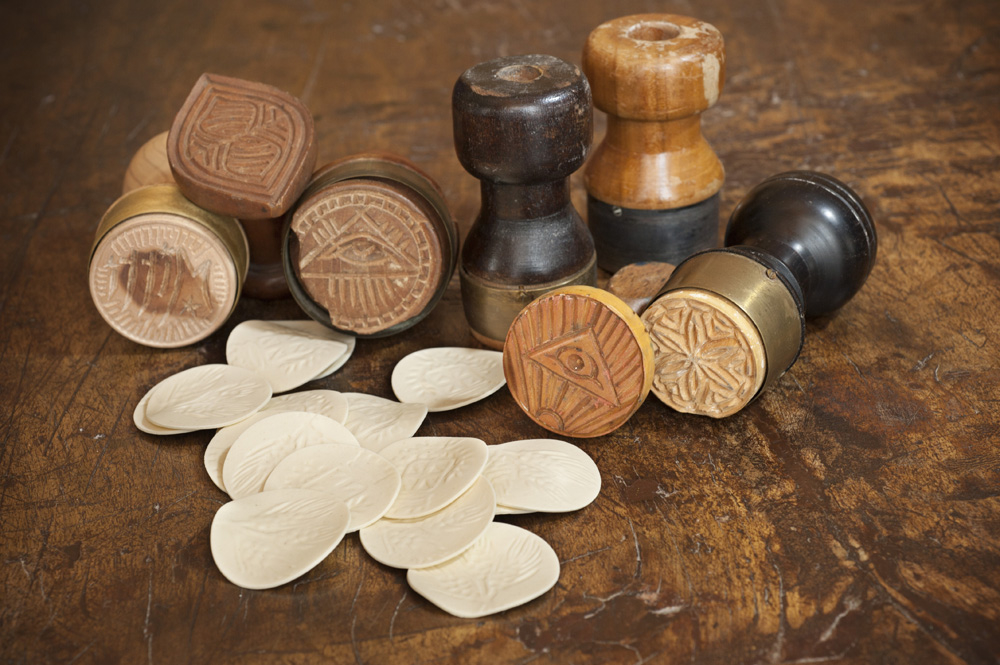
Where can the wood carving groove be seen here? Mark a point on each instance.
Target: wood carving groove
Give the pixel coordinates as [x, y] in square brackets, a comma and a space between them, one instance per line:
[367, 254]
[241, 148]
[574, 365]
[708, 360]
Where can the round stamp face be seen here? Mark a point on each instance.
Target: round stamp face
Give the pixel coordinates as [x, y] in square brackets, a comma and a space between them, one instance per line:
[163, 280]
[708, 355]
[367, 254]
[575, 366]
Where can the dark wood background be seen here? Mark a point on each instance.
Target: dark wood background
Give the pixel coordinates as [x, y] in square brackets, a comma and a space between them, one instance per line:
[852, 514]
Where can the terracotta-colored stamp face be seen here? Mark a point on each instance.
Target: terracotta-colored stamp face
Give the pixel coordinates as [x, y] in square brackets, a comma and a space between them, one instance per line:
[575, 366]
[242, 148]
[163, 280]
[366, 254]
[709, 356]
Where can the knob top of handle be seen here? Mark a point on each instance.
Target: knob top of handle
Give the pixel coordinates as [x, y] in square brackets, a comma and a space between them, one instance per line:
[522, 119]
[655, 66]
[817, 227]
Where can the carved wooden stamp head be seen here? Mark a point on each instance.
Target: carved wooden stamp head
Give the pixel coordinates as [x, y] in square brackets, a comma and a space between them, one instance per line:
[163, 272]
[729, 322]
[578, 361]
[370, 247]
[241, 148]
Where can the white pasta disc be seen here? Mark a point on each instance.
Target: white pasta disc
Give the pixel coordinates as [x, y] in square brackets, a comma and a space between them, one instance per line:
[364, 481]
[145, 425]
[507, 510]
[508, 566]
[377, 421]
[206, 397]
[329, 403]
[448, 377]
[261, 446]
[435, 470]
[285, 356]
[430, 540]
[543, 475]
[267, 539]
[218, 448]
[317, 329]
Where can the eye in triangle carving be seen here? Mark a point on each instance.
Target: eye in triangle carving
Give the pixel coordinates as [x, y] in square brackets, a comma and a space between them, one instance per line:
[359, 250]
[577, 358]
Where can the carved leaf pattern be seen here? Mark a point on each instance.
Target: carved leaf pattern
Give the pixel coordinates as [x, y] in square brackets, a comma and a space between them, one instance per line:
[508, 566]
[241, 139]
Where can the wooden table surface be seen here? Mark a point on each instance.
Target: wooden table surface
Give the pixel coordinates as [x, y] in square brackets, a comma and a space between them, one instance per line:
[852, 514]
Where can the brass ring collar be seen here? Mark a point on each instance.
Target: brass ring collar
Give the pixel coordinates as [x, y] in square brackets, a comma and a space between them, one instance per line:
[167, 198]
[756, 289]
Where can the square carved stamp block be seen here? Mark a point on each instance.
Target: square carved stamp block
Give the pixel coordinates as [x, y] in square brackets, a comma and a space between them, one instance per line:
[242, 148]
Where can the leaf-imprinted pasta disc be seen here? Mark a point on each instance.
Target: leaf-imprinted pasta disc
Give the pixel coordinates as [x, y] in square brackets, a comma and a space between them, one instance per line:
[508, 566]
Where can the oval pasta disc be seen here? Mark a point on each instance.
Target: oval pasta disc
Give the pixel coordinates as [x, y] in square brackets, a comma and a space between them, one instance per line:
[377, 421]
[435, 470]
[545, 475]
[285, 356]
[508, 566]
[258, 450]
[267, 539]
[364, 481]
[206, 397]
[430, 540]
[447, 378]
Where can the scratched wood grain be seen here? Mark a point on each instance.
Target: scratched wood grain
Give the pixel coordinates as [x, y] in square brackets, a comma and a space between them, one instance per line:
[850, 515]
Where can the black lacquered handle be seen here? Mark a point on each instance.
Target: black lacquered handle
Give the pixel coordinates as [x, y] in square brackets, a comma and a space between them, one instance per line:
[816, 232]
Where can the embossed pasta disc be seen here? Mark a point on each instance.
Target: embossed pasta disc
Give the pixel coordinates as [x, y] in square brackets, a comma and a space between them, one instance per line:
[377, 421]
[286, 357]
[578, 361]
[206, 397]
[507, 510]
[267, 539]
[364, 481]
[329, 403]
[435, 470]
[430, 540]
[317, 329]
[163, 280]
[508, 566]
[258, 450]
[144, 424]
[709, 356]
[367, 254]
[447, 378]
[543, 475]
[218, 448]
